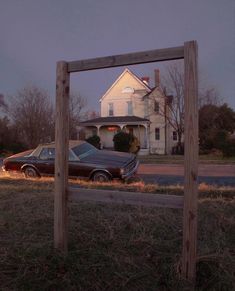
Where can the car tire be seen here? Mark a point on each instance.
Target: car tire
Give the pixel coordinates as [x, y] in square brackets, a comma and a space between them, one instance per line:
[30, 172]
[101, 177]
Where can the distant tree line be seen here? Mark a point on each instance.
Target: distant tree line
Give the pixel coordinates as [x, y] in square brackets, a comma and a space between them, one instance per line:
[216, 120]
[28, 118]
[217, 129]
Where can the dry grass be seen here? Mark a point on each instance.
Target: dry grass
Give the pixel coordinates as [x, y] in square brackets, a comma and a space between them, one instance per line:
[110, 247]
[205, 190]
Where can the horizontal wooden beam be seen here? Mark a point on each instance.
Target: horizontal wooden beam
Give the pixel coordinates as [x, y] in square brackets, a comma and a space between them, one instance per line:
[158, 55]
[121, 197]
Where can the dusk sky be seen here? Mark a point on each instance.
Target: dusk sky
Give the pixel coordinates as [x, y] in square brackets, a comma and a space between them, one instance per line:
[34, 35]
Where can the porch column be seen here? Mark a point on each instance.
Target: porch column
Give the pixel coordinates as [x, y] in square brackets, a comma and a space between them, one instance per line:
[98, 129]
[122, 126]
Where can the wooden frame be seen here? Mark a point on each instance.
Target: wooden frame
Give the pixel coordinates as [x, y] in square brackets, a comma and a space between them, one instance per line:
[188, 202]
[122, 197]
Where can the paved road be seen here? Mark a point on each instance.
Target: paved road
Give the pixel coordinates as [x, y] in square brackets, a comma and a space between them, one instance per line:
[169, 174]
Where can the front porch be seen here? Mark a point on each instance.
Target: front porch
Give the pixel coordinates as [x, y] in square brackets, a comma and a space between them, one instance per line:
[107, 127]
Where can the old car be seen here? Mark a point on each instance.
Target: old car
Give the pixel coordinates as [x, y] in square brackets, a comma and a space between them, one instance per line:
[84, 161]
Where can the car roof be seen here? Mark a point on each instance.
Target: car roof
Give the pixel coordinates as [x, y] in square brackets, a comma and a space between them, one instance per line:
[72, 144]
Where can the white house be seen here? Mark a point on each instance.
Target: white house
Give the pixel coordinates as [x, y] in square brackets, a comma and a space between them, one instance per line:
[131, 105]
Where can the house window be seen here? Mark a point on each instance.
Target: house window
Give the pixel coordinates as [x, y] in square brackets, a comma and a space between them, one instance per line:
[129, 108]
[156, 107]
[174, 135]
[110, 109]
[157, 133]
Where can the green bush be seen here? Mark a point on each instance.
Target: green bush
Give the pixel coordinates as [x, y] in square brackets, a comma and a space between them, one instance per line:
[122, 141]
[228, 148]
[224, 143]
[94, 140]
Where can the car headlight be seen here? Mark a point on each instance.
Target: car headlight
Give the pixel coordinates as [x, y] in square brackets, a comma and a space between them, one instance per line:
[122, 171]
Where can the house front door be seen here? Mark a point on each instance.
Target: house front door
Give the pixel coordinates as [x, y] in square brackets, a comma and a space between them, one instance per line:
[109, 139]
[107, 135]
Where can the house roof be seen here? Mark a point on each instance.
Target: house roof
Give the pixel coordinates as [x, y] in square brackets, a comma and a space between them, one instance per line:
[149, 93]
[156, 88]
[133, 75]
[115, 120]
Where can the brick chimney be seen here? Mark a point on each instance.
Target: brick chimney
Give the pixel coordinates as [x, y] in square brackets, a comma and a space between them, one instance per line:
[157, 77]
[145, 80]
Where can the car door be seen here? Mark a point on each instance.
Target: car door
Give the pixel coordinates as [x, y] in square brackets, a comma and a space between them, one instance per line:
[78, 168]
[46, 161]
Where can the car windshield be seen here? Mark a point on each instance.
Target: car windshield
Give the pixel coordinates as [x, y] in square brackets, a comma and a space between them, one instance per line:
[83, 150]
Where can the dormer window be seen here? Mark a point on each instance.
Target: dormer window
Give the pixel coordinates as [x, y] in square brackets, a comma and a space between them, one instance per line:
[127, 90]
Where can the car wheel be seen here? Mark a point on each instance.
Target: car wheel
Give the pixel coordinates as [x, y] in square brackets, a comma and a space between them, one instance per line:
[101, 177]
[30, 172]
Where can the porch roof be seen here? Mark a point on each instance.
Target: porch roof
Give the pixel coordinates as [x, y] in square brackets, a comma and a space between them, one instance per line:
[115, 120]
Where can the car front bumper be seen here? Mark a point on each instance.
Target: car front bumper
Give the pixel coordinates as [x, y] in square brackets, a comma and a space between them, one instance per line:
[131, 173]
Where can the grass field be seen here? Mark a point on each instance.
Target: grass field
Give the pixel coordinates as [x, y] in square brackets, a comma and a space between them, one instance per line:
[111, 247]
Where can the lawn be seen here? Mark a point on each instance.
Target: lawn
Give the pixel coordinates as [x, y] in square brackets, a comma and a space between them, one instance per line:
[111, 247]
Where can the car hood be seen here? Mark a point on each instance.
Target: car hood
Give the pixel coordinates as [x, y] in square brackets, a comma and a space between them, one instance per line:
[109, 158]
[19, 155]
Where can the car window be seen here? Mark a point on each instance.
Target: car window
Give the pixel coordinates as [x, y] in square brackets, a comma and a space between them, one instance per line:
[72, 156]
[83, 150]
[47, 154]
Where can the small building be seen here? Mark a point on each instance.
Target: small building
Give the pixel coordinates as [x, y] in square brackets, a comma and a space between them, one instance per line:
[131, 105]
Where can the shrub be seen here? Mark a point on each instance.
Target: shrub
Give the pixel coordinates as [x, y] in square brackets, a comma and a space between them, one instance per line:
[228, 149]
[94, 140]
[224, 143]
[122, 141]
[178, 149]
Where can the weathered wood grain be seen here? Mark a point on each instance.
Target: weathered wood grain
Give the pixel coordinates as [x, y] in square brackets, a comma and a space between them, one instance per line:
[158, 55]
[61, 156]
[190, 161]
[129, 198]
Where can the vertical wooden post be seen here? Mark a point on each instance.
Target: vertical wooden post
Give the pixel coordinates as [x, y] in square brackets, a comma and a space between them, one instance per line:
[61, 156]
[190, 161]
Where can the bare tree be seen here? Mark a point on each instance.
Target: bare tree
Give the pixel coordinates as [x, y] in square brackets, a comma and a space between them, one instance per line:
[208, 96]
[3, 104]
[76, 112]
[173, 83]
[32, 114]
[4, 134]
[173, 80]
[91, 115]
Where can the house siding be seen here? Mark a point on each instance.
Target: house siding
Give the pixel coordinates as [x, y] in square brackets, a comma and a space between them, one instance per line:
[119, 98]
